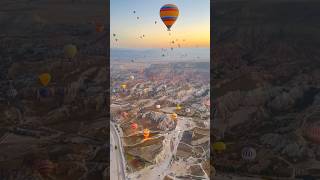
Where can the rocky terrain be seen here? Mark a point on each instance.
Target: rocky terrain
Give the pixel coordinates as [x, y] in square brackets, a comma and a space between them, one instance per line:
[176, 147]
[266, 90]
[61, 135]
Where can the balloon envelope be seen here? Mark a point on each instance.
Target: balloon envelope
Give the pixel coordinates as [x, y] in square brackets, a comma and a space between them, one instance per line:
[70, 51]
[219, 146]
[146, 133]
[169, 14]
[45, 78]
[134, 126]
[174, 116]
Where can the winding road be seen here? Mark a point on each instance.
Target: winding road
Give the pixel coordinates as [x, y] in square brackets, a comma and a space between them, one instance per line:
[117, 163]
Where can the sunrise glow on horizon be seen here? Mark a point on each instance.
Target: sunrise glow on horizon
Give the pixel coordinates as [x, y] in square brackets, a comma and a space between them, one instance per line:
[192, 28]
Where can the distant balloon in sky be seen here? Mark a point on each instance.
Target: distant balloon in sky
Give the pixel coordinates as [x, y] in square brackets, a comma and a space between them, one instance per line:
[155, 22]
[114, 35]
[134, 12]
[169, 14]
[138, 17]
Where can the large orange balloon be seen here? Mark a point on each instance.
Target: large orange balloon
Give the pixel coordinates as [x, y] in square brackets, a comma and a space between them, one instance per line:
[169, 14]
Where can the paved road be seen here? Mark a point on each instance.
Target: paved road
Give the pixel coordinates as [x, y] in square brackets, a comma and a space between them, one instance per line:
[117, 166]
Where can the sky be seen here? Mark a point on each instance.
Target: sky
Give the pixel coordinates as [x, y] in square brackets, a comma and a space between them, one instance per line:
[193, 24]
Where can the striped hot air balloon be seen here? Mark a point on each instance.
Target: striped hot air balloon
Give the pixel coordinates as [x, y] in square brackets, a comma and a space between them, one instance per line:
[248, 153]
[169, 14]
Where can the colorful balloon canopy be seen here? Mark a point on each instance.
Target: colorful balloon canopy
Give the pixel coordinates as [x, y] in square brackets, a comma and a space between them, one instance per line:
[158, 106]
[248, 153]
[123, 86]
[45, 78]
[134, 126]
[178, 107]
[219, 146]
[70, 51]
[146, 133]
[131, 77]
[169, 14]
[174, 116]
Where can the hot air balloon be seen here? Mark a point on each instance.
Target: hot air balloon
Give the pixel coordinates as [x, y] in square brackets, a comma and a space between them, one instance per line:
[45, 78]
[169, 14]
[123, 86]
[178, 107]
[172, 42]
[44, 167]
[146, 133]
[134, 126]
[70, 51]
[219, 146]
[114, 35]
[248, 153]
[138, 17]
[132, 77]
[187, 110]
[174, 116]
[155, 22]
[134, 12]
[158, 106]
